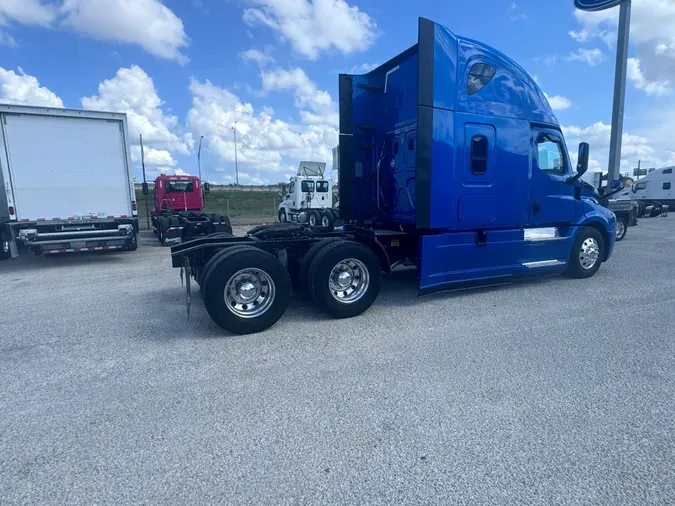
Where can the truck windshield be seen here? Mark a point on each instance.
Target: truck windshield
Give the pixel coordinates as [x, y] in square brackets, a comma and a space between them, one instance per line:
[179, 187]
[322, 186]
[307, 186]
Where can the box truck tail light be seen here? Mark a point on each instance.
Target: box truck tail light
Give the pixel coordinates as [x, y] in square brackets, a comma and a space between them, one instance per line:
[134, 209]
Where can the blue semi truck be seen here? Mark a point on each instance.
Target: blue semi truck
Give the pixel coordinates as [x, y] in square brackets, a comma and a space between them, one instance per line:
[451, 160]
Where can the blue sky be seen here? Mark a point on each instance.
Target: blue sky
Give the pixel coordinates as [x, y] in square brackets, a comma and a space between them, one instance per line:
[186, 68]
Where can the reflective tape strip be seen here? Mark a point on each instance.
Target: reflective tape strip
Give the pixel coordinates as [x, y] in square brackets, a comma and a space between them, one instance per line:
[79, 250]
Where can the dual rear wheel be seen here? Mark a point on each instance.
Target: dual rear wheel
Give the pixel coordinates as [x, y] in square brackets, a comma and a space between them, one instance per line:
[246, 290]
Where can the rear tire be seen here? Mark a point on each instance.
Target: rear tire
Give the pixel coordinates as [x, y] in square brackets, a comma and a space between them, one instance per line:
[5, 252]
[313, 218]
[161, 227]
[327, 219]
[586, 255]
[344, 279]
[621, 228]
[246, 290]
[207, 268]
[307, 259]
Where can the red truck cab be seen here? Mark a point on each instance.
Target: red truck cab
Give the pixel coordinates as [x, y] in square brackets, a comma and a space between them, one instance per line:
[178, 193]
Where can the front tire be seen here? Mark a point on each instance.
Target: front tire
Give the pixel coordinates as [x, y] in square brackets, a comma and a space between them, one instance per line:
[344, 279]
[586, 255]
[246, 290]
[282, 216]
[621, 228]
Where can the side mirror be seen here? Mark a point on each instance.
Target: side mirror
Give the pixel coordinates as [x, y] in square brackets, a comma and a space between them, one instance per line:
[145, 188]
[207, 188]
[582, 163]
[582, 159]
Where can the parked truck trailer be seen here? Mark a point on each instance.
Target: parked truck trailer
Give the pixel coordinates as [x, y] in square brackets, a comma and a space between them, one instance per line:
[451, 160]
[66, 182]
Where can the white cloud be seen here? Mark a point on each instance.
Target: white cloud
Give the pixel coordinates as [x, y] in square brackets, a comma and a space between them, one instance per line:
[634, 73]
[652, 36]
[634, 148]
[314, 26]
[21, 88]
[296, 80]
[132, 91]
[147, 23]
[558, 103]
[364, 68]
[592, 57]
[261, 58]
[30, 12]
[515, 12]
[267, 148]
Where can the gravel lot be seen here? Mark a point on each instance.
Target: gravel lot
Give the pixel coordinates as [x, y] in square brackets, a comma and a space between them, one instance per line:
[551, 391]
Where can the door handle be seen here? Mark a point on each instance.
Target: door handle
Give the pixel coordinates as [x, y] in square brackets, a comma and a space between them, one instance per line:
[536, 206]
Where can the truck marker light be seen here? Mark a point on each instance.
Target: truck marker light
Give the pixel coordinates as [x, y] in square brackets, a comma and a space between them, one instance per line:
[11, 210]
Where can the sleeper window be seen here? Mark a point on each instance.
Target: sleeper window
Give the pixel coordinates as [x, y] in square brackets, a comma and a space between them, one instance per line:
[322, 186]
[666, 186]
[479, 154]
[668, 171]
[550, 156]
[479, 76]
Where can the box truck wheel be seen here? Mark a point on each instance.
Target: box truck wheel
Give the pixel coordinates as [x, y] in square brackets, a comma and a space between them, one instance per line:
[586, 255]
[344, 278]
[132, 243]
[621, 227]
[246, 290]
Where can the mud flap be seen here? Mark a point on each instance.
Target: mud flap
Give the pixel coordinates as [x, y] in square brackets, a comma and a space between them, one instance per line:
[173, 236]
[185, 270]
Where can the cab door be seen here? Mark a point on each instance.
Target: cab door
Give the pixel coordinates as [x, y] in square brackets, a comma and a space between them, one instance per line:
[552, 202]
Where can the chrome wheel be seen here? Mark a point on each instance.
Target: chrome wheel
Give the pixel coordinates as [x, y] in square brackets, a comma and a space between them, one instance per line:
[325, 222]
[589, 253]
[249, 292]
[282, 217]
[348, 281]
[312, 219]
[620, 229]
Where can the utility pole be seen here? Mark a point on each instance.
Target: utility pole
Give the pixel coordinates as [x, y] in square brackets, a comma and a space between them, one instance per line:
[236, 168]
[199, 166]
[145, 183]
[619, 92]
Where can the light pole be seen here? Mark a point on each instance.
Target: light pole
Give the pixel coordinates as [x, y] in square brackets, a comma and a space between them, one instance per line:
[199, 166]
[236, 168]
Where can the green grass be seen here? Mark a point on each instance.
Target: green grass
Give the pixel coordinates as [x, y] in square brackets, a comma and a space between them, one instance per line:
[242, 207]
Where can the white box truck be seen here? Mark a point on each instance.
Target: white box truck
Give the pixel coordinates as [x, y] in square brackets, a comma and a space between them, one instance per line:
[66, 182]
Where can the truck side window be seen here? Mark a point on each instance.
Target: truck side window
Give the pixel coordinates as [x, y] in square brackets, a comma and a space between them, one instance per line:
[550, 156]
[307, 186]
[668, 171]
[479, 154]
[666, 186]
[291, 188]
[640, 186]
[479, 76]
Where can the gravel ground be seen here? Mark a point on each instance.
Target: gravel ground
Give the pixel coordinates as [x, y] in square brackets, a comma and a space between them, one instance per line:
[550, 391]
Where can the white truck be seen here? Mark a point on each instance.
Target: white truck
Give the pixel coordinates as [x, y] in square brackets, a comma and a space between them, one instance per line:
[309, 197]
[66, 182]
[654, 192]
